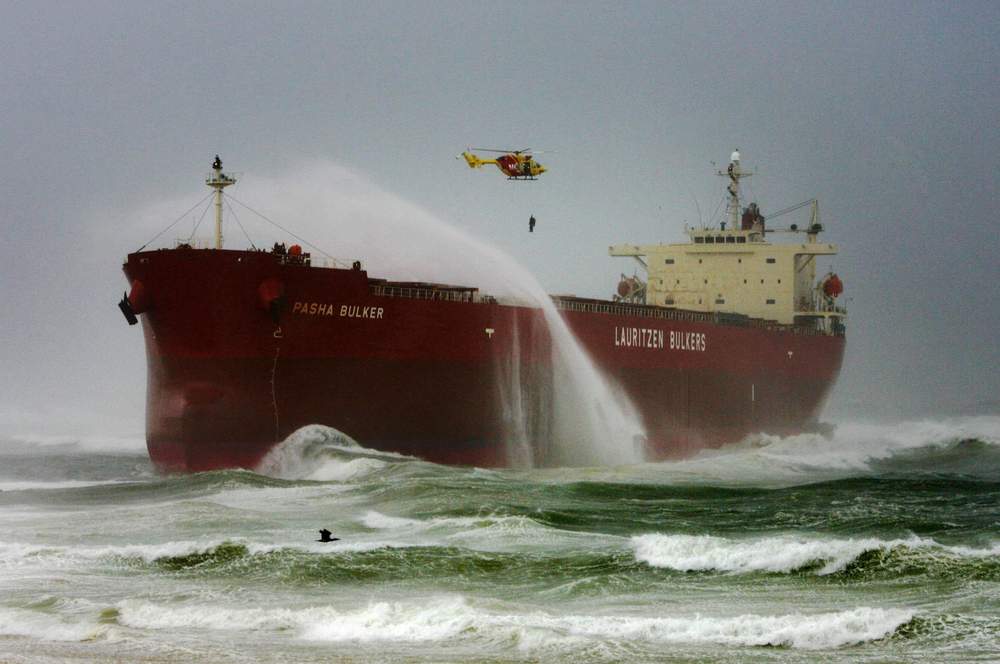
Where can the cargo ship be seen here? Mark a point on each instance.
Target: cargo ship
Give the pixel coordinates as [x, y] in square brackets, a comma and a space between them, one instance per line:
[725, 335]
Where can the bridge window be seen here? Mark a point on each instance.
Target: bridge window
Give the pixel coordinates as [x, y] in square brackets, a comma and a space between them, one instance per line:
[669, 261]
[770, 301]
[668, 301]
[709, 239]
[731, 239]
[770, 260]
[720, 301]
[741, 240]
[699, 240]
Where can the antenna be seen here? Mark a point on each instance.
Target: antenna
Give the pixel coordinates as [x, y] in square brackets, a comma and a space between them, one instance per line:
[735, 173]
[218, 181]
[698, 207]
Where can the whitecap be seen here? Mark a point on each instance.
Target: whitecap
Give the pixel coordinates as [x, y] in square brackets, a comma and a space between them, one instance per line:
[449, 618]
[323, 454]
[48, 627]
[687, 553]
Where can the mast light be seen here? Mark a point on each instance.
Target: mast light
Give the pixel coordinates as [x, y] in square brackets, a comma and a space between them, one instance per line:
[218, 181]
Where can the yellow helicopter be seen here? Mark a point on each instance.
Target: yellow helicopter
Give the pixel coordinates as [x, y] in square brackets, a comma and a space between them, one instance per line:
[515, 164]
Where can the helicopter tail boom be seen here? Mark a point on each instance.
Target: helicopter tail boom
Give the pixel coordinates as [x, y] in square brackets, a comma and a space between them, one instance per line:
[476, 162]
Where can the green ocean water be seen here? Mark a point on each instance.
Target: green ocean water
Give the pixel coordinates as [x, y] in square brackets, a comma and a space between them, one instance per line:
[880, 543]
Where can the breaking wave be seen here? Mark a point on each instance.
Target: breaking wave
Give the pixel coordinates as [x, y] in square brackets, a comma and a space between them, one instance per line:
[323, 454]
[880, 446]
[968, 447]
[50, 627]
[454, 618]
[180, 554]
[704, 553]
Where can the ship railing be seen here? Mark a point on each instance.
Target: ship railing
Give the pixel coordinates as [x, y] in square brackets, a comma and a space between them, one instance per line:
[620, 309]
[424, 293]
[195, 243]
[820, 305]
[775, 326]
[682, 315]
[331, 262]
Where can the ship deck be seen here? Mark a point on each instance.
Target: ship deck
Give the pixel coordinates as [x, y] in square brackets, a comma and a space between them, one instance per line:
[448, 292]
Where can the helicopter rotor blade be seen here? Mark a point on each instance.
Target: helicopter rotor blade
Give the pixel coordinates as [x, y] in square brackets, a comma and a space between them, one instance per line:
[522, 151]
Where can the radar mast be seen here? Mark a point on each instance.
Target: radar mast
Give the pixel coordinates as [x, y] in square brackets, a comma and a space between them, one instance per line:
[218, 180]
[735, 173]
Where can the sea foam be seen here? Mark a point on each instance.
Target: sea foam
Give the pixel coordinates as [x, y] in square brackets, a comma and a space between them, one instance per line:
[324, 454]
[963, 445]
[49, 627]
[489, 532]
[452, 618]
[687, 553]
[24, 555]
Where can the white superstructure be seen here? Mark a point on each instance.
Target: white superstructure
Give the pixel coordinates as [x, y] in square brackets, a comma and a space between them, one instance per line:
[738, 270]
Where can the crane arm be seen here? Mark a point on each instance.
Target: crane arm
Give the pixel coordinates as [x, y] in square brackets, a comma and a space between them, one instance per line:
[793, 208]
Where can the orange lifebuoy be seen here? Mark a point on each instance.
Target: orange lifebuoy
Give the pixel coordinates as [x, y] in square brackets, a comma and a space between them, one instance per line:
[833, 286]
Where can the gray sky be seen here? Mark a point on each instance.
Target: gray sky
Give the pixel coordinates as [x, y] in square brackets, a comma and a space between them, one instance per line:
[110, 114]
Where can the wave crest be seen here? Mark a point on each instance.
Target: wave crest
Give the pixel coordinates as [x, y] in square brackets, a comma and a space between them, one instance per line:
[869, 556]
[966, 446]
[323, 454]
[455, 618]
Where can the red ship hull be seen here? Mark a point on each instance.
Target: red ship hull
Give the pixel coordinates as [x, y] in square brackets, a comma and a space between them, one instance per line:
[243, 348]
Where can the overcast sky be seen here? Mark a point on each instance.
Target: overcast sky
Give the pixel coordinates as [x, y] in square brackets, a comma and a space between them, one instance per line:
[111, 113]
